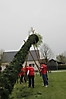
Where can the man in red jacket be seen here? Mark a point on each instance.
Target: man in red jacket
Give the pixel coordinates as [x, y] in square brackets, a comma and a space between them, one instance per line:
[43, 70]
[21, 75]
[26, 76]
[30, 74]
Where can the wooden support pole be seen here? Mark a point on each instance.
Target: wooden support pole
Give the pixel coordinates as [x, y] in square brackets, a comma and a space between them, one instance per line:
[37, 54]
[34, 60]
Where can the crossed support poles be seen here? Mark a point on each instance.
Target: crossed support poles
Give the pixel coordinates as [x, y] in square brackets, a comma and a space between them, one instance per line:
[34, 59]
[36, 51]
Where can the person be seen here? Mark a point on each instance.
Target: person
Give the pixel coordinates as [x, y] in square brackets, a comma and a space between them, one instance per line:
[43, 71]
[26, 76]
[30, 73]
[21, 74]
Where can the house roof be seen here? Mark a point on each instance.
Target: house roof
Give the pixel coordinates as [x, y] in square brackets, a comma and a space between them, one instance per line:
[33, 54]
[8, 56]
[56, 61]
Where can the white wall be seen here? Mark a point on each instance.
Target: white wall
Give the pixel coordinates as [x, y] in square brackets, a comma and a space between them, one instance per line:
[32, 62]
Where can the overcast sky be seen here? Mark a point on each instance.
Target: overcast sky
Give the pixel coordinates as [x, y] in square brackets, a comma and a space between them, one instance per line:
[48, 17]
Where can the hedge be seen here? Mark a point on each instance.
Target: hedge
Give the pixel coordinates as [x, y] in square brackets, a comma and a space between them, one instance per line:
[10, 75]
[62, 67]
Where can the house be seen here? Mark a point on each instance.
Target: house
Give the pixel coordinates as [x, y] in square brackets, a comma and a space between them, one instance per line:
[52, 64]
[8, 57]
[55, 65]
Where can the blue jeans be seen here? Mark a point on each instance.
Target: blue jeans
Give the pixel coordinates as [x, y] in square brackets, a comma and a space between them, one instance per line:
[45, 79]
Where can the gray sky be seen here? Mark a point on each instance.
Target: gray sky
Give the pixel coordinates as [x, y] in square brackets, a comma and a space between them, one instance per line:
[48, 17]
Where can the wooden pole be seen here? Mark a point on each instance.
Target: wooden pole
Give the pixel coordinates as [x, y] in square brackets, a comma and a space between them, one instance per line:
[37, 54]
[33, 59]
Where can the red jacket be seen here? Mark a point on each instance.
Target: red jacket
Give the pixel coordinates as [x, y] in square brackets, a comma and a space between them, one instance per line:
[31, 71]
[22, 72]
[43, 69]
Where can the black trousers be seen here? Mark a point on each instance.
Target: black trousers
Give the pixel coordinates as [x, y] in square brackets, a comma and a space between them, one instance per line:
[31, 81]
[21, 79]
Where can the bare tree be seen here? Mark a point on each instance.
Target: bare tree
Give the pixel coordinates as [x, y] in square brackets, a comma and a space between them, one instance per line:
[61, 58]
[45, 52]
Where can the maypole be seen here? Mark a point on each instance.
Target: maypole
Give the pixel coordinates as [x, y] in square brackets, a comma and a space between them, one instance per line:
[10, 74]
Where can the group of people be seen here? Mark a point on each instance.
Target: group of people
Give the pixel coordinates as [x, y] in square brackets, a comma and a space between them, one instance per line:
[27, 72]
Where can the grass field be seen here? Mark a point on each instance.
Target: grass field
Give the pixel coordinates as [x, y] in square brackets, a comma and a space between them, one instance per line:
[55, 90]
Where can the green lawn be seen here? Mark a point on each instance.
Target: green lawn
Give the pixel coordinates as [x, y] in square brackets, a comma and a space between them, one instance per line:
[55, 90]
